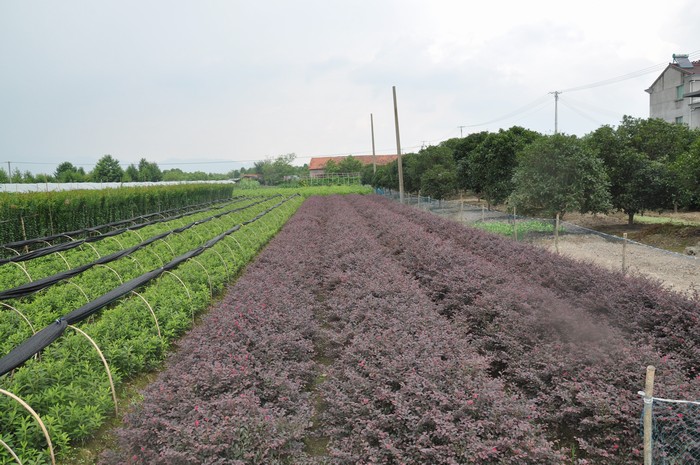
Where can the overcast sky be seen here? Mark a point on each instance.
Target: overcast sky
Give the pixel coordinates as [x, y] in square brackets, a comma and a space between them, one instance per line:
[207, 82]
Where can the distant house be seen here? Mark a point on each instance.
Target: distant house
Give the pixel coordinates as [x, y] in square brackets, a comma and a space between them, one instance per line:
[317, 165]
[675, 94]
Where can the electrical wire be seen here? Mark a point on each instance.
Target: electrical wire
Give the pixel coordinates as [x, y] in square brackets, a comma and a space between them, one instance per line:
[597, 109]
[592, 85]
[580, 112]
[627, 76]
[520, 110]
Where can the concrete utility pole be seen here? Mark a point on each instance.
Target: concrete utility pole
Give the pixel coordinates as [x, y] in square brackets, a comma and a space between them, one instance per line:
[556, 110]
[374, 154]
[398, 144]
[9, 172]
[460, 131]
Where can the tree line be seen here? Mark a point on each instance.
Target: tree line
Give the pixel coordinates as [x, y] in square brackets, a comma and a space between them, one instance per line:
[108, 169]
[639, 165]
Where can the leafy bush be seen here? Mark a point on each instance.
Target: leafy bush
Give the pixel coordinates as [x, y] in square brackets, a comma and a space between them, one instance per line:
[67, 385]
[28, 215]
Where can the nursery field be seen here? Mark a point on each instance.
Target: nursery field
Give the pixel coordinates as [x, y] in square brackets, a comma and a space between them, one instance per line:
[133, 290]
[370, 332]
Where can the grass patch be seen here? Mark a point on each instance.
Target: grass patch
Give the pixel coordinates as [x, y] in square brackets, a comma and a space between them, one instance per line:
[524, 227]
[663, 220]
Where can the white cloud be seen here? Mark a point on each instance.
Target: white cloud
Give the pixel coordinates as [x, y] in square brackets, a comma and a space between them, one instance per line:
[246, 80]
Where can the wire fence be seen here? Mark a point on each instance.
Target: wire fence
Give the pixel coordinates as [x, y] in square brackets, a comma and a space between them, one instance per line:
[525, 225]
[675, 432]
[670, 428]
[679, 271]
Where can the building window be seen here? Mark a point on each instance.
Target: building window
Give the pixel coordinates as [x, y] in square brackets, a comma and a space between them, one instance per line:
[680, 91]
[679, 120]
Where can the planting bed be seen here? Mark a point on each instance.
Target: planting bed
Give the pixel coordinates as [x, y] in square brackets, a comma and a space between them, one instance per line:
[66, 384]
[369, 332]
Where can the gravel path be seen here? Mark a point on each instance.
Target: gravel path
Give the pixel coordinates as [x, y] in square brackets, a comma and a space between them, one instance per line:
[677, 272]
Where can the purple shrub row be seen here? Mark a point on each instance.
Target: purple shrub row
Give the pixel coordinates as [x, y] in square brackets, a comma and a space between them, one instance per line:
[401, 338]
[582, 369]
[641, 308]
[406, 387]
[235, 390]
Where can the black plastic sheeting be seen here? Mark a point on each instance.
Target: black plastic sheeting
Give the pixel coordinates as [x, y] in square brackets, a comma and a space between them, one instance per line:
[77, 243]
[46, 336]
[33, 345]
[95, 229]
[43, 283]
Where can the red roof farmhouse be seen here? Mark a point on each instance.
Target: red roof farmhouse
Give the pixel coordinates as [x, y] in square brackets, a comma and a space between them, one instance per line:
[317, 165]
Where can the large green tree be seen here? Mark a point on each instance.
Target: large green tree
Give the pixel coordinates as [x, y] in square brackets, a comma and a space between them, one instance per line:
[417, 165]
[492, 163]
[273, 171]
[67, 172]
[638, 166]
[466, 177]
[438, 182]
[349, 164]
[686, 169]
[107, 169]
[387, 176]
[655, 138]
[149, 171]
[131, 173]
[558, 174]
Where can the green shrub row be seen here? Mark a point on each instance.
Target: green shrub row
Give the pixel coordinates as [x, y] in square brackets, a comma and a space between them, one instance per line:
[16, 274]
[68, 386]
[38, 214]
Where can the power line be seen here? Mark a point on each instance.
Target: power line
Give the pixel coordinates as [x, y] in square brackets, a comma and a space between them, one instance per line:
[592, 107]
[512, 113]
[604, 82]
[624, 77]
[580, 112]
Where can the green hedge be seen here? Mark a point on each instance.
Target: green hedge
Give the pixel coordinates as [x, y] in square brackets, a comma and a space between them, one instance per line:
[67, 385]
[30, 215]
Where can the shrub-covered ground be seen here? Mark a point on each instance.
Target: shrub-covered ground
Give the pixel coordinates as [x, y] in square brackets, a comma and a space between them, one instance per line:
[369, 332]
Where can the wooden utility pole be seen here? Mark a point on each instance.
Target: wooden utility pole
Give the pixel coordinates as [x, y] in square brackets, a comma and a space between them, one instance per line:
[398, 145]
[374, 154]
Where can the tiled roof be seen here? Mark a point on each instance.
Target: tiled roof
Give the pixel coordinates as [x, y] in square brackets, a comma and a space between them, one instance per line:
[319, 163]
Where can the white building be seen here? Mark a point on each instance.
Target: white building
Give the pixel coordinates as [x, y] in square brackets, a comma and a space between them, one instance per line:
[675, 94]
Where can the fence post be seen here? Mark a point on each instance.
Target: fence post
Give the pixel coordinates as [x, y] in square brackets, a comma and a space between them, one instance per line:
[624, 253]
[648, 402]
[556, 234]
